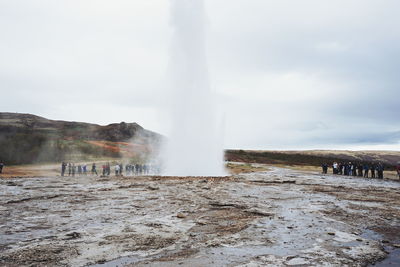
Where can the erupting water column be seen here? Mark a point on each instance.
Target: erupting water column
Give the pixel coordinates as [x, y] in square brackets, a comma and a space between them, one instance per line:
[195, 143]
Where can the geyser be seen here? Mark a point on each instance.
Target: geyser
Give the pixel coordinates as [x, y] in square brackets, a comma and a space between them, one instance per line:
[194, 145]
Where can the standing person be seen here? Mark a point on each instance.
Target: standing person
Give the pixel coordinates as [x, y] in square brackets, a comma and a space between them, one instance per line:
[69, 169]
[1, 167]
[79, 170]
[335, 168]
[133, 169]
[73, 169]
[360, 170]
[108, 169]
[94, 169]
[136, 169]
[117, 170]
[323, 168]
[63, 167]
[373, 168]
[380, 170]
[366, 169]
[397, 168]
[84, 169]
[120, 169]
[340, 168]
[350, 169]
[355, 166]
[104, 169]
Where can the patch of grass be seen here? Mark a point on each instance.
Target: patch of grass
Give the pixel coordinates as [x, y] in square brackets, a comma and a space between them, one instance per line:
[235, 168]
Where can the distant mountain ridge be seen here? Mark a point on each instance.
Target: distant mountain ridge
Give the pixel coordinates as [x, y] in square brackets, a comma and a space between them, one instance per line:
[314, 157]
[27, 138]
[116, 132]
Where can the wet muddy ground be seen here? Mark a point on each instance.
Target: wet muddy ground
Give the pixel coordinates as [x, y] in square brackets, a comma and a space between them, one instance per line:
[279, 217]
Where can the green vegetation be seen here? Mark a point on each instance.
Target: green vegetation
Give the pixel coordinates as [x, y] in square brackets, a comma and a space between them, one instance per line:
[21, 147]
[26, 138]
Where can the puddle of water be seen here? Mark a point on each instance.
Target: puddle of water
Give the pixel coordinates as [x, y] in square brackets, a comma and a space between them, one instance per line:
[393, 257]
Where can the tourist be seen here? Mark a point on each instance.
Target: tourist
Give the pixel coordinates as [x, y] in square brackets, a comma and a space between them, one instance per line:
[360, 170]
[137, 169]
[324, 168]
[345, 169]
[63, 168]
[108, 169]
[380, 169]
[120, 169]
[397, 168]
[79, 170]
[1, 167]
[73, 169]
[335, 168]
[366, 169]
[117, 170]
[84, 169]
[69, 169]
[94, 171]
[133, 169]
[104, 169]
[341, 167]
[350, 172]
[354, 166]
[372, 168]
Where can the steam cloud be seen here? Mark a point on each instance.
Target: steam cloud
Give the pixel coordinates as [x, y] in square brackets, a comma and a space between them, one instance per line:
[195, 143]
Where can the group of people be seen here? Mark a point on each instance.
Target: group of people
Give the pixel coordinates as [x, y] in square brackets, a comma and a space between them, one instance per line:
[130, 169]
[356, 169]
[71, 169]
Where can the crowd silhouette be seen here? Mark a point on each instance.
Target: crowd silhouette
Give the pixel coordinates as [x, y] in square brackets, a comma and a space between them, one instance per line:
[357, 169]
[71, 169]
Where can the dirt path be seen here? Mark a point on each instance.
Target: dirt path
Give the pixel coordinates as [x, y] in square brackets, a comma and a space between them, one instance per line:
[279, 217]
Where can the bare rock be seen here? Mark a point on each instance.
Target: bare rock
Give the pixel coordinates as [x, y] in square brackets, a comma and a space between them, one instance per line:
[181, 215]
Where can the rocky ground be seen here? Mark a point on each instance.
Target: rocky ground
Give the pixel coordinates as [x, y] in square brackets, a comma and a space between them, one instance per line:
[277, 217]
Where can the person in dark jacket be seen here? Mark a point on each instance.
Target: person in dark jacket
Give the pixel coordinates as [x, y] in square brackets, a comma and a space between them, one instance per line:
[324, 168]
[69, 169]
[346, 169]
[380, 169]
[1, 167]
[94, 171]
[354, 167]
[63, 168]
[366, 169]
[360, 170]
[372, 168]
[340, 169]
[108, 169]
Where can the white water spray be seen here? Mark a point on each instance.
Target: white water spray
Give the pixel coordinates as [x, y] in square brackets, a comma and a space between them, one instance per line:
[195, 144]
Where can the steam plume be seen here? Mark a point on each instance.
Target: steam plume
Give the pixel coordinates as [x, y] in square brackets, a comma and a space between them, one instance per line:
[195, 144]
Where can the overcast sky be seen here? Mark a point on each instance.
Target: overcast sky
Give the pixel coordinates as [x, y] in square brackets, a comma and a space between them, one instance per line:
[288, 74]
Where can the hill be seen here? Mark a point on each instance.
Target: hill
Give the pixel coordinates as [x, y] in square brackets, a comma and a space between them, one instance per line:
[26, 138]
[314, 157]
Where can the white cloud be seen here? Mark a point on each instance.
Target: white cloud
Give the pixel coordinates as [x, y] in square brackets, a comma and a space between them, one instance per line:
[301, 74]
